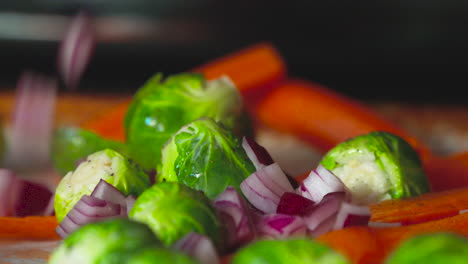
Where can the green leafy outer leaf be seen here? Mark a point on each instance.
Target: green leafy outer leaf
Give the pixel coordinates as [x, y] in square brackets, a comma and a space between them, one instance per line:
[159, 109]
[436, 248]
[69, 145]
[160, 256]
[96, 242]
[172, 210]
[399, 164]
[107, 164]
[298, 251]
[205, 156]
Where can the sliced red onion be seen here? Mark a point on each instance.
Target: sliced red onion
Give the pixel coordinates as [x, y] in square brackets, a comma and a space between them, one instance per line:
[324, 227]
[33, 117]
[109, 193]
[76, 49]
[278, 226]
[319, 183]
[87, 210]
[33, 199]
[328, 207]
[352, 215]
[129, 202]
[463, 211]
[384, 224]
[235, 213]
[264, 188]
[293, 204]
[10, 187]
[49, 210]
[256, 153]
[199, 247]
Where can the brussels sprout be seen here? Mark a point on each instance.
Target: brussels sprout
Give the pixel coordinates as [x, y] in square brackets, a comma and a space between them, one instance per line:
[377, 166]
[300, 251]
[160, 256]
[437, 248]
[109, 165]
[70, 145]
[172, 210]
[205, 156]
[159, 109]
[101, 242]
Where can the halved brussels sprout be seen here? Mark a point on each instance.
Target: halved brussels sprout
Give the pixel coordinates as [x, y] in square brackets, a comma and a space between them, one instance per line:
[70, 145]
[100, 242]
[377, 166]
[109, 165]
[205, 156]
[172, 210]
[160, 256]
[436, 248]
[159, 109]
[299, 251]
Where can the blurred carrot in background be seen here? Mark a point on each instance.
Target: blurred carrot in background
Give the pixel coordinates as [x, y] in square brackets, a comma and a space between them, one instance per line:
[109, 124]
[445, 173]
[31, 227]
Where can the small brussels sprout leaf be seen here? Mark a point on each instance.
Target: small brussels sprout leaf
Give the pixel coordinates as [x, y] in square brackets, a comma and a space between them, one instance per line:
[159, 109]
[377, 166]
[172, 210]
[160, 256]
[109, 165]
[70, 145]
[97, 242]
[205, 156]
[300, 251]
[436, 248]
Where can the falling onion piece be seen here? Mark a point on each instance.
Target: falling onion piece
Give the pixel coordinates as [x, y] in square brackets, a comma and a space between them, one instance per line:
[10, 186]
[319, 183]
[257, 154]
[32, 121]
[278, 226]
[293, 204]
[328, 207]
[76, 49]
[235, 214]
[199, 247]
[463, 211]
[264, 188]
[352, 215]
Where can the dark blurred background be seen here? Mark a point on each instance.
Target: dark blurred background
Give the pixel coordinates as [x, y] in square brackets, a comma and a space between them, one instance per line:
[411, 50]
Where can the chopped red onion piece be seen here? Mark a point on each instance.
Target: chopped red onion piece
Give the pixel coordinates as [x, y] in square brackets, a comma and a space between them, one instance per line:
[87, 210]
[33, 199]
[199, 247]
[328, 207]
[319, 183]
[383, 224]
[76, 49]
[33, 117]
[10, 188]
[129, 202]
[49, 210]
[105, 191]
[264, 188]
[235, 213]
[463, 211]
[256, 153]
[277, 226]
[352, 215]
[324, 227]
[293, 204]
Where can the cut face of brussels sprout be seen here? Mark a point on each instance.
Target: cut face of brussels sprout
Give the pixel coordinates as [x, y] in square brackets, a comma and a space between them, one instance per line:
[376, 167]
[97, 242]
[437, 248]
[160, 256]
[160, 109]
[172, 210]
[109, 165]
[70, 145]
[300, 251]
[205, 156]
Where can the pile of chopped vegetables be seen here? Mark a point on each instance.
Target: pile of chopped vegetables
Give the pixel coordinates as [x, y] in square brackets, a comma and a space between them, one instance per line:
[176, 174]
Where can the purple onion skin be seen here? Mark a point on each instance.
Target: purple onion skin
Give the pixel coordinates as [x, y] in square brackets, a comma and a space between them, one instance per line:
[293, 204]
[262, 154]
[33, 199]
[280, 223]
[356, 220]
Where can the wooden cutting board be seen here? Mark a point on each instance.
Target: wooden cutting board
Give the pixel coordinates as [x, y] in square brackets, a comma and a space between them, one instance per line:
[444, 128]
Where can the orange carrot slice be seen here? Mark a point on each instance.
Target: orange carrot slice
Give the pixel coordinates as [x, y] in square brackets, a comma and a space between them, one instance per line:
[424, 208]
[322, 117]
[445, 173]
[31, 227]
[365, 245]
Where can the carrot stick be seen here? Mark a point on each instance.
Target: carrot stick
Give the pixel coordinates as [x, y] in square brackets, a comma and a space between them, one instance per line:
[427, 207]
[322, 117]
[31, 227]
[253, 70]
[365, 245]
[445, 173]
